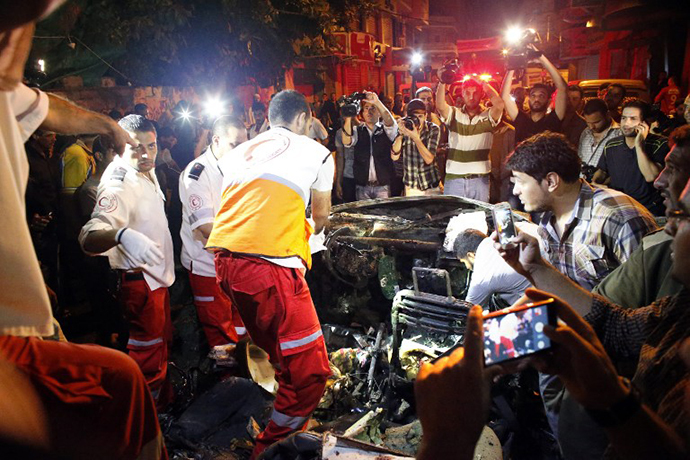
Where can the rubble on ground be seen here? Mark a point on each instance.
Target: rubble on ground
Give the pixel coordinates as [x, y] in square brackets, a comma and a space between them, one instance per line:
[386, 291]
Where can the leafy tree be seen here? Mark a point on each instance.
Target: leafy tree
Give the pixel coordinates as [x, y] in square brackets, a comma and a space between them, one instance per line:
[190, 42]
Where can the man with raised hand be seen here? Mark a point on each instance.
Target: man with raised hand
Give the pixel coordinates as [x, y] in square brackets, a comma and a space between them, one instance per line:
[129, 225]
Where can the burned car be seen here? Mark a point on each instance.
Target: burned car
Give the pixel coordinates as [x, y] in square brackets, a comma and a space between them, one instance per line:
[373, 246]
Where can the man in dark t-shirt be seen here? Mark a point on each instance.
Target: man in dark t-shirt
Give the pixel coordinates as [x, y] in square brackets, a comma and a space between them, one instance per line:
[631, 162]
[526, 127]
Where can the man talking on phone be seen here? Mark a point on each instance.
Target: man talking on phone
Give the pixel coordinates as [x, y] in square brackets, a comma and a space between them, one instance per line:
[631, 162]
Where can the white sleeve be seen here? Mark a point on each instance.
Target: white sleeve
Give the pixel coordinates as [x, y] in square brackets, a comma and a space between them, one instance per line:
[353, 138]
[319, 129]
[391, 131]
[111, 211]
[197, 204]
[324, 180]
[30, 107]
[483, 282]
[493, 122]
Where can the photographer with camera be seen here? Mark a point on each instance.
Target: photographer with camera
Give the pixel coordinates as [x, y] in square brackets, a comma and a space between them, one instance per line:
[417, 143]
[470, 137]
[538, 119]
[372, 141]
[601, 128]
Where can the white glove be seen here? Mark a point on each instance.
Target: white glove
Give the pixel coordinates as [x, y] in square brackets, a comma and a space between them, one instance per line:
[140, 247]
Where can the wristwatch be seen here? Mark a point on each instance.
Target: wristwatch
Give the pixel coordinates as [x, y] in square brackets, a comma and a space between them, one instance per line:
[619, 412]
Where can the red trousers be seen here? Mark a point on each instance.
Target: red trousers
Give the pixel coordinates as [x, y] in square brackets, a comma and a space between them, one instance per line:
[96, 400]
[150, 329]
[276, 307]
[217, 315]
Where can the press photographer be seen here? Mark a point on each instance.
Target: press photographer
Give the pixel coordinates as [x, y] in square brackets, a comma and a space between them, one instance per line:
[373, 167]
[539, 118]
[417, 142]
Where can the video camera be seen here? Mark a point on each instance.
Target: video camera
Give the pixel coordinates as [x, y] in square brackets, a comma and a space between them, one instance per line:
[519, 52]
[451, 71]
[351, 105]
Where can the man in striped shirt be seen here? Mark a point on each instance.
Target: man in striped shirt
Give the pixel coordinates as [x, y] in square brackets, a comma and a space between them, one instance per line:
[469, 140]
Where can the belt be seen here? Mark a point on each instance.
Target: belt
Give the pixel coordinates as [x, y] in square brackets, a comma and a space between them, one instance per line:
[374, 183]
[473, 176]
[133, 276]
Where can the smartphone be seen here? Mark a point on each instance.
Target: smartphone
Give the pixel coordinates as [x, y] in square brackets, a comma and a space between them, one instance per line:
[516, 332]
[503, 221]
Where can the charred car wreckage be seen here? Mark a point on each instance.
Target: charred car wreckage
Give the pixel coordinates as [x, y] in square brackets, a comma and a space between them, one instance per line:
[389, 292]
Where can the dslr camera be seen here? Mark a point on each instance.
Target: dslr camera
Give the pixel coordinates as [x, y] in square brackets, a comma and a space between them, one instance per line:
[588, 171]
[351, 105]
[411, 122]
[451, 71]
[519, 53]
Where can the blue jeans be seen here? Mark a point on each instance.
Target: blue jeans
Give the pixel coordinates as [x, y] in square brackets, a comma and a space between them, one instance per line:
[372, 192]
[476, 188]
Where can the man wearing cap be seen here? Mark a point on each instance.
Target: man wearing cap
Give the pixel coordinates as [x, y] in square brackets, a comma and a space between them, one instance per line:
[418, 149]
[469, 140]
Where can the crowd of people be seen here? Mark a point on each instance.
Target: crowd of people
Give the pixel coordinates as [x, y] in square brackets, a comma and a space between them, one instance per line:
[240, 203]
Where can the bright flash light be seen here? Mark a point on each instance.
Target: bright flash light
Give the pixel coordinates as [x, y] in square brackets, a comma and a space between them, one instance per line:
[485, 77]
[466, 77]
[416, 58]
[185, 114]
[513, 35]
[214, 107]
[504, 52]
[42, 65]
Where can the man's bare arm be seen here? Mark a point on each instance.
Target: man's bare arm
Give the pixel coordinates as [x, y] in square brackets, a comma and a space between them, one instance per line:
[441, 104]
[510, 105]
[204, 231]
[525, 258]
[99, 241]
[66, 118]
[346, 133]
[320, 209]
[561, 87]
[497, 104]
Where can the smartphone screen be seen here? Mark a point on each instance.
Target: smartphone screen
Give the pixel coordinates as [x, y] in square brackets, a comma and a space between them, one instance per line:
[516, 332]
[503, 221]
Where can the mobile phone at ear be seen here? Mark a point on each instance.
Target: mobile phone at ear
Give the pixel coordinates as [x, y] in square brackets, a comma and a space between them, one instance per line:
[516, 332]
[503, 222]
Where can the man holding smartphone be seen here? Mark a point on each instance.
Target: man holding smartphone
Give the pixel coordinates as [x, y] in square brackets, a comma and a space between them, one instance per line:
[631, 162]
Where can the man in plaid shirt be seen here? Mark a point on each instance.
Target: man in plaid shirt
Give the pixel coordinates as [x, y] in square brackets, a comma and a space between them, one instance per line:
[586, 232]
[418, 149]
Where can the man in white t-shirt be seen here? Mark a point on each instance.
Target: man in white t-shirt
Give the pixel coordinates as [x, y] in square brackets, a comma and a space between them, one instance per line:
[490, 273]
[201, 189]
[261, 237]
[95, 392]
